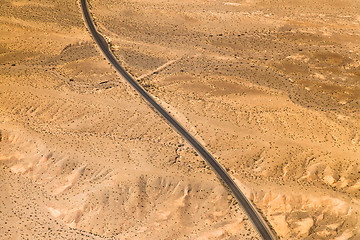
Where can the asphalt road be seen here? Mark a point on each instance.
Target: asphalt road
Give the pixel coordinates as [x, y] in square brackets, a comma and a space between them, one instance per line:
[255, 217]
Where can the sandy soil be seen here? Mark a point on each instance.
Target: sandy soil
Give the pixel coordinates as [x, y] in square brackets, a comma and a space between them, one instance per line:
[271, 88]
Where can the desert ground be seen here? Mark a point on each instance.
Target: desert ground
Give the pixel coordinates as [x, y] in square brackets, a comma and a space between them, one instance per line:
[271, 88]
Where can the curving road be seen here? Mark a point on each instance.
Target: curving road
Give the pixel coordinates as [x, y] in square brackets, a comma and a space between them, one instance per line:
[247, 206]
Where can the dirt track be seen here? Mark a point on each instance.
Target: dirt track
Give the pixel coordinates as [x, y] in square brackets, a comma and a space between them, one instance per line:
[274, 83]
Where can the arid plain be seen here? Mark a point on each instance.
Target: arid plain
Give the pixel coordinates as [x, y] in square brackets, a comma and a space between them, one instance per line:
[271, 88]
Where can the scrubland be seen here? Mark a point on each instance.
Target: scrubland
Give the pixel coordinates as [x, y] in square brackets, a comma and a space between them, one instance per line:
[271, 88]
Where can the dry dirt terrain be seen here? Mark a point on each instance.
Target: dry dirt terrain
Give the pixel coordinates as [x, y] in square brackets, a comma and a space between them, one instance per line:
[271, 88]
